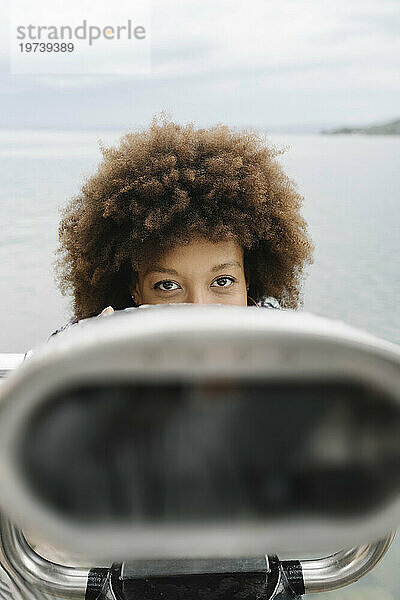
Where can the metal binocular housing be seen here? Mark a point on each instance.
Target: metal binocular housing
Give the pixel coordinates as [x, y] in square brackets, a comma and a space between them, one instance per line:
[176, 451]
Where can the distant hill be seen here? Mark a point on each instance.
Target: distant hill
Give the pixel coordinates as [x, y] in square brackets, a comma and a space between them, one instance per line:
[391, 128]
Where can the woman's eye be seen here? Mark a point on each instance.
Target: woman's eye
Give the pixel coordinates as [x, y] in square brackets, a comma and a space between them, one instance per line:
[166, 286]
[223, 282]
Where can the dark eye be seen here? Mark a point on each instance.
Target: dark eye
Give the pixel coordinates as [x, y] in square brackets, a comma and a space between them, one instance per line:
[223, 282]
[166, 286]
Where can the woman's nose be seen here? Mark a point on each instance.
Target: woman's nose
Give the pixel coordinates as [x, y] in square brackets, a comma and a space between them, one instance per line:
[198, 296]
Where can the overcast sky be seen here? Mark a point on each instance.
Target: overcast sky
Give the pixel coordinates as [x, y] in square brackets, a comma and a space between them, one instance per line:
[278, 64]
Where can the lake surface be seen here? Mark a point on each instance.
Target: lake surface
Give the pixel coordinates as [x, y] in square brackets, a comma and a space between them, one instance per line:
[351, 186]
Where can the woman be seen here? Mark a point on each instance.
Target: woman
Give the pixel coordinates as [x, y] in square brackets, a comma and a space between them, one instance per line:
[179, 214]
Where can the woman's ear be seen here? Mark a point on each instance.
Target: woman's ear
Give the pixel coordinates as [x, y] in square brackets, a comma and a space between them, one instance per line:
[135, 294]
[134, 291]
[246, 273]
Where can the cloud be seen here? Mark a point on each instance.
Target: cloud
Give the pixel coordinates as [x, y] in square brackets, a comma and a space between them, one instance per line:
[254, 53]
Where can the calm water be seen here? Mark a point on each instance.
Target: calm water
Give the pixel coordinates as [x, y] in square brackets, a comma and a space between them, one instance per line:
[352, 203]
[351, 187]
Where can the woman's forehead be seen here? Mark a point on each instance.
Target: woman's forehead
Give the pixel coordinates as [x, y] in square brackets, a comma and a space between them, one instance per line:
[199, 254]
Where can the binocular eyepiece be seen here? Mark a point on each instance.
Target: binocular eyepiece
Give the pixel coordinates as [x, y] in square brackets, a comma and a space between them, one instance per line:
[184, 441]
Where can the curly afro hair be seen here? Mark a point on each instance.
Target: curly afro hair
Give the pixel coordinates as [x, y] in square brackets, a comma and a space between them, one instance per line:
[161, 187]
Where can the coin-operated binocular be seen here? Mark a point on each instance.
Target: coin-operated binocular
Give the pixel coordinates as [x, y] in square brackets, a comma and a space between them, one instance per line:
[176, 451]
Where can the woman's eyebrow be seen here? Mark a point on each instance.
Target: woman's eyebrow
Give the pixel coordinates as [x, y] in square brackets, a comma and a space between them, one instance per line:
[158, 269]
[233, 263]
